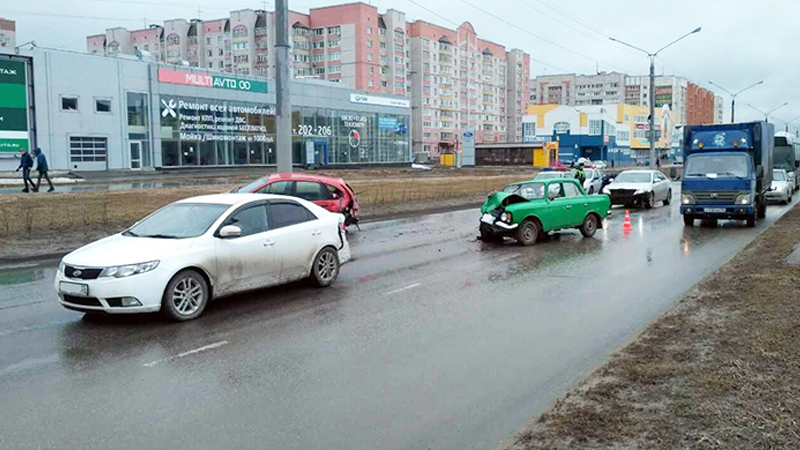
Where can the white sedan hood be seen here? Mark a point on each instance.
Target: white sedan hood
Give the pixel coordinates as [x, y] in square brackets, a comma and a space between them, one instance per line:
[118, 250]
[633, 186]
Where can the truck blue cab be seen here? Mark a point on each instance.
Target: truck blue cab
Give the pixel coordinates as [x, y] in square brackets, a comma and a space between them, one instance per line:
[727, 171]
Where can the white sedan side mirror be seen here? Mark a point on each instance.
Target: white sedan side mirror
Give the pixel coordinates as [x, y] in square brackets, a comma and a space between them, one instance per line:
[230, 231]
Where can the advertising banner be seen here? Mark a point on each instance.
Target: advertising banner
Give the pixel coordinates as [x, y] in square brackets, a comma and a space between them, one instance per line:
[13, 107]
[207, 120]
[210, 81]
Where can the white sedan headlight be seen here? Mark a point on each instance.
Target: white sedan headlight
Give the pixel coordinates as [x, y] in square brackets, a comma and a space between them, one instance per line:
[640, 192]
[606, 191]
[62, 267]
[129, 270]
[744, 199]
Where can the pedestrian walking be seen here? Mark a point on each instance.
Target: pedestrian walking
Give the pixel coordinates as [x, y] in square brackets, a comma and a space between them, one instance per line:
[41, 167]
[26, 164]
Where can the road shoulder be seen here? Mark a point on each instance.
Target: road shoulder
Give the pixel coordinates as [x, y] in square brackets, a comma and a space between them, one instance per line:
[720, 370]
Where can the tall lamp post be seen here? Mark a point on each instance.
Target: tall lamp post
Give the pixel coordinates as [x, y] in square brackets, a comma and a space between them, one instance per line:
[652, 56]
[283, 135]
[767, 114]
[733, 96]
[789, 122]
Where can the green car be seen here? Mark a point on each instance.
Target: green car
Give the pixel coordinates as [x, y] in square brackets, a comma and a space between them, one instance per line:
[531, 209]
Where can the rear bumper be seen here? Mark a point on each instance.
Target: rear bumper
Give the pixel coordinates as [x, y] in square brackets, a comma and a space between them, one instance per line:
[735, 212]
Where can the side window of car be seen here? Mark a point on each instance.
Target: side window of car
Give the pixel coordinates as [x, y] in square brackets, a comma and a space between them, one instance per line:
[555, 191]
[279, 188]
[252, 220]
[288, 214]
[571, 190]
[311, 191]
[660, 177]
[334, 193]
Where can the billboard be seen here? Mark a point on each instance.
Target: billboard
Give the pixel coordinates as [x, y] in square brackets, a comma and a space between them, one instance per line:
[13, 107]
[210, 81]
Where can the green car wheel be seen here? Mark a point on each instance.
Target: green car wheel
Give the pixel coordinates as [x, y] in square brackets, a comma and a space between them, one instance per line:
[527, 233]
[589, 227]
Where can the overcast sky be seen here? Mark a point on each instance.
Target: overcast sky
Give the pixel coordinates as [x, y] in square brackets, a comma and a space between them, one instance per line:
[742, 41]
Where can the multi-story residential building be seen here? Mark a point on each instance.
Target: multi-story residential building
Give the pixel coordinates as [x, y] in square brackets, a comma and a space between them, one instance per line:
[578, 90]
[459, 81]
[700, 107]
[669, 90]
[719, 109]
[8, 35]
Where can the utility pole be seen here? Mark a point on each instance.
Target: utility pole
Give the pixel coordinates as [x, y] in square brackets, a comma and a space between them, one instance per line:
[652, 56]
[734, 95]
[282, 80]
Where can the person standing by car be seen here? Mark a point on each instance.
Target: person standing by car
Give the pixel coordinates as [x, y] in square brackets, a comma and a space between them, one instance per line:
[41, 167]
[26, 164]
[580, 174]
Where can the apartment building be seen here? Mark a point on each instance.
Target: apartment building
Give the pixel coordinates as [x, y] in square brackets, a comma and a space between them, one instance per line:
[719, 109]
[8, 35]
[463, 84]
[669, 90]
[578, 90]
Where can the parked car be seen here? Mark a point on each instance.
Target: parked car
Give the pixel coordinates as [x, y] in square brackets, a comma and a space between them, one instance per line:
[782, 189]
[183, 255]
[554, 175]
[528, 210]
[330, 193]
[599, 164]
[594, 181]
[639, 187]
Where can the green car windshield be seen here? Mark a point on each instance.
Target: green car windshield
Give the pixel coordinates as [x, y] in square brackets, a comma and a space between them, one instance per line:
[530, 191]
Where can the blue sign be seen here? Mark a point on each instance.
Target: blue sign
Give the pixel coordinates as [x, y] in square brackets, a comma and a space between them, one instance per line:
[387, 123]
[468, 134]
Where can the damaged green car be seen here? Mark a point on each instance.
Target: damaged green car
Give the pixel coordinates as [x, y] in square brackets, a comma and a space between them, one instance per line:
[529, 210]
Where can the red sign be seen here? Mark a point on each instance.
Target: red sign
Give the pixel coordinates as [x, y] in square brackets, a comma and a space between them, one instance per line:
[185, 78]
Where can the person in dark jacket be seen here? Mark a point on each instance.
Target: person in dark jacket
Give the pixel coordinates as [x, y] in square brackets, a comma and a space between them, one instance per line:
[26, 164]
[41, 167]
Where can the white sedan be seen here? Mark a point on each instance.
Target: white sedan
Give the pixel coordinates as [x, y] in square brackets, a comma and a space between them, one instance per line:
[185, 254]
[639, 187]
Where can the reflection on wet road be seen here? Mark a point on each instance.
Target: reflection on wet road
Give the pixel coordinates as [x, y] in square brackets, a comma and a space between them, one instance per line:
[430, 339]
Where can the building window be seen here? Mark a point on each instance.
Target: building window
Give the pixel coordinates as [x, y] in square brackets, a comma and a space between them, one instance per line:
[239, 46]
[334, 56]
[384, 70]
[528, 131]
[319, 57]
[221, 65]
[369, 56]
[595, 127]
[382, 31]
[369, 29]
[371, 70]
[102, 105]
[383, 45]
[369, 43]
[239, 31]
[220, 52]
[371, 83]
[69, 103]
[318, 31]
[335, 69]
[319, 44]
[335, 30]
[384, 83]
[333, 43]
[561, 128]
[173, 39]
[319, 71]
[261, 31]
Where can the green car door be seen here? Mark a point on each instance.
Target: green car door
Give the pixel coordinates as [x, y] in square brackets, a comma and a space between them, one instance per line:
[560, 208]
[578, 202]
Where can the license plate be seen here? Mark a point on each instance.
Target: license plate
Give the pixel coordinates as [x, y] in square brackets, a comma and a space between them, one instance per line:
[716, 210]
[488, 218]
[74, 288]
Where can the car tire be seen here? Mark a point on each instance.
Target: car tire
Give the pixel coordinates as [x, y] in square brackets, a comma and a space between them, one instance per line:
[668, 198]
[527, 233]
[185, 297]
[751, 222]
[589, 227]
[326, 267]
[761, 209]
[650, 200]
[591, 190]
[688, 220]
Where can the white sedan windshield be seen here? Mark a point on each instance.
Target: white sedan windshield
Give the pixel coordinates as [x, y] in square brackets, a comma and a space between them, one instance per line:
[633, 177]
[178, 221]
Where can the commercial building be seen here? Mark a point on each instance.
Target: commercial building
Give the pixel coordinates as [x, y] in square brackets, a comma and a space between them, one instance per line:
[458, 82]
[614, 133]
[8, 35]
[97, 113]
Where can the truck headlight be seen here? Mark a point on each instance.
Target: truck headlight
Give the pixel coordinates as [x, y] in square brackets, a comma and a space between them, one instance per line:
[687, 199]
[129, 270]
[744, 199]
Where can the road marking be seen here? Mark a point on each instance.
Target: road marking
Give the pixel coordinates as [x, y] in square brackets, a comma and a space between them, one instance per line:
[18, 266]
[508, 258]
[396, 291]
[189, 353]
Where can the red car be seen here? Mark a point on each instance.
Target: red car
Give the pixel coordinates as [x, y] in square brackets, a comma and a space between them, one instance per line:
[330, 193]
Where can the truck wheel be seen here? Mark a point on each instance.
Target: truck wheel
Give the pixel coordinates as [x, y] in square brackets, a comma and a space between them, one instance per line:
[527, 233]
[589, 226]
[751, 222]
[762, 209]
[688, 220]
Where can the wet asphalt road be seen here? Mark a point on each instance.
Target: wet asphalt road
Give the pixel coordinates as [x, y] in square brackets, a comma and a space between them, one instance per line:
[429, 340]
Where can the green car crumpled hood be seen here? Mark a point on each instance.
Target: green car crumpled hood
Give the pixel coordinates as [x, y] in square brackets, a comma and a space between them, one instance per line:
[498, 199]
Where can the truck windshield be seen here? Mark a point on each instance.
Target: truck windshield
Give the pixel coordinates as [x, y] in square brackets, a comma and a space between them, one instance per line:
[784, 157]
[714, 166]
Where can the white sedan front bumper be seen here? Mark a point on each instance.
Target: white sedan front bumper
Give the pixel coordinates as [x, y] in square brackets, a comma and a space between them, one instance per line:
[104, 293]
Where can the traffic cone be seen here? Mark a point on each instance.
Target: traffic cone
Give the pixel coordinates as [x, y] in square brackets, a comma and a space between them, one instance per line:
[626, 226]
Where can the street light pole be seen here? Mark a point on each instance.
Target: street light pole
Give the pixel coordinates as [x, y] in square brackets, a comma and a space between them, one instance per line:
[652, 56]
[789, 122]
[767, 114]
[733, 96]
[283, 137]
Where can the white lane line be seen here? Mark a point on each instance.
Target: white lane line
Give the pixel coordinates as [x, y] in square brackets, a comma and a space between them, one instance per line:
[396, 291]
[190, 352]
[18, 266]
[508, 258]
